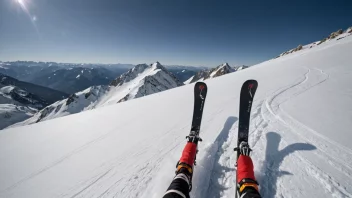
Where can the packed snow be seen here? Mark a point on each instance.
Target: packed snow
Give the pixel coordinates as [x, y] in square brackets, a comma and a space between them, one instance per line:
[300, 136]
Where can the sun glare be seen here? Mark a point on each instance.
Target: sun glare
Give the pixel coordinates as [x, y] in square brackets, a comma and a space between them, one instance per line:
[21, 2]
[24, 6]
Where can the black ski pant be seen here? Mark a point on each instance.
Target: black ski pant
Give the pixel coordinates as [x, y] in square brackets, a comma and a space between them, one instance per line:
[180, 185]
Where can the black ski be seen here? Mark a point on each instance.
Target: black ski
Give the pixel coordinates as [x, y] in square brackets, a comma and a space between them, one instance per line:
[200, 93]
[246, 100]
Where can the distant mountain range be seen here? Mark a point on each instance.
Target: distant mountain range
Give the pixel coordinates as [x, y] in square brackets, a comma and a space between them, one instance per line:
[68, 78]
[72, 78]
[47, 94]
[183, 73]
[142, 80]
[104, 88]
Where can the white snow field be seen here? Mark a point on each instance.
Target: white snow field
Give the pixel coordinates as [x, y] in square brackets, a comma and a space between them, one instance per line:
[300, 134]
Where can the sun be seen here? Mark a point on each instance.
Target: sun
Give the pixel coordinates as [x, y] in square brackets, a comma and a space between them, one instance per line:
[23, 5]
[21, 2]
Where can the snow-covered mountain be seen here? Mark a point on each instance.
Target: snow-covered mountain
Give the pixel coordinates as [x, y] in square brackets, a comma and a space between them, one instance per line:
[338, 35]
[142, 80]
[47, 94]
[300, 133]
[11, 114]
[238, 68]
[17, 104]
[211, 73]
[14, 95]
[75, 103]
[145, 80]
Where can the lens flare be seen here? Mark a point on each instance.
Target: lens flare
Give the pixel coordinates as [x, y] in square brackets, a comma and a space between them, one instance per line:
[21, 2]
[24, 7]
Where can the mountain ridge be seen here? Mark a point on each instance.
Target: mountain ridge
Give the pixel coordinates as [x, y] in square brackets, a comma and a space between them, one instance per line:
[141, 80]
[220, 70]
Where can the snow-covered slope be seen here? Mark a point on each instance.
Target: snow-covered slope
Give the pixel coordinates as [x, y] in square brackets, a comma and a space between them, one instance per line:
[334, 36]
[139, 81]
[241, 67]
[300, 134]
[211, 73]
[188, 80]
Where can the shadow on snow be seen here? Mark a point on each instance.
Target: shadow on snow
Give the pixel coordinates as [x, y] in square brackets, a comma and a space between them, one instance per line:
[209, 170]
[273, 160]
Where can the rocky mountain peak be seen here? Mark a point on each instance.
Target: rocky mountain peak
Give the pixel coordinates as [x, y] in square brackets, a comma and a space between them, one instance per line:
[225, 65]
[339, 34]
[157, 65]
[220, 70]
[129, 75]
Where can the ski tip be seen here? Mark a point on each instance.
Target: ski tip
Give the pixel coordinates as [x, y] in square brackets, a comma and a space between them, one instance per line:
[200, 85]
[251, 85]
[251, 81]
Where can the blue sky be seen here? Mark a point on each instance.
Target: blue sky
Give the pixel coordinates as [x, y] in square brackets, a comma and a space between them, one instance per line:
[183, 32]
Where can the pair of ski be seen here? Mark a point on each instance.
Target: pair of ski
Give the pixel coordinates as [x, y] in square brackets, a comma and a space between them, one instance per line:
[246, 99]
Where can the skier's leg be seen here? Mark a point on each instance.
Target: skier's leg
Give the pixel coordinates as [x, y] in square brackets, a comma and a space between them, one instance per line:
[181, 185]
[246, 183]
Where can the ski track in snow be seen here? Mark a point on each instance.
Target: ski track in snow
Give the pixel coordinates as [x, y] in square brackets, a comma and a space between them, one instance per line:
[326, 149]
[270, 111]
[142, 174]
[63, 158]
